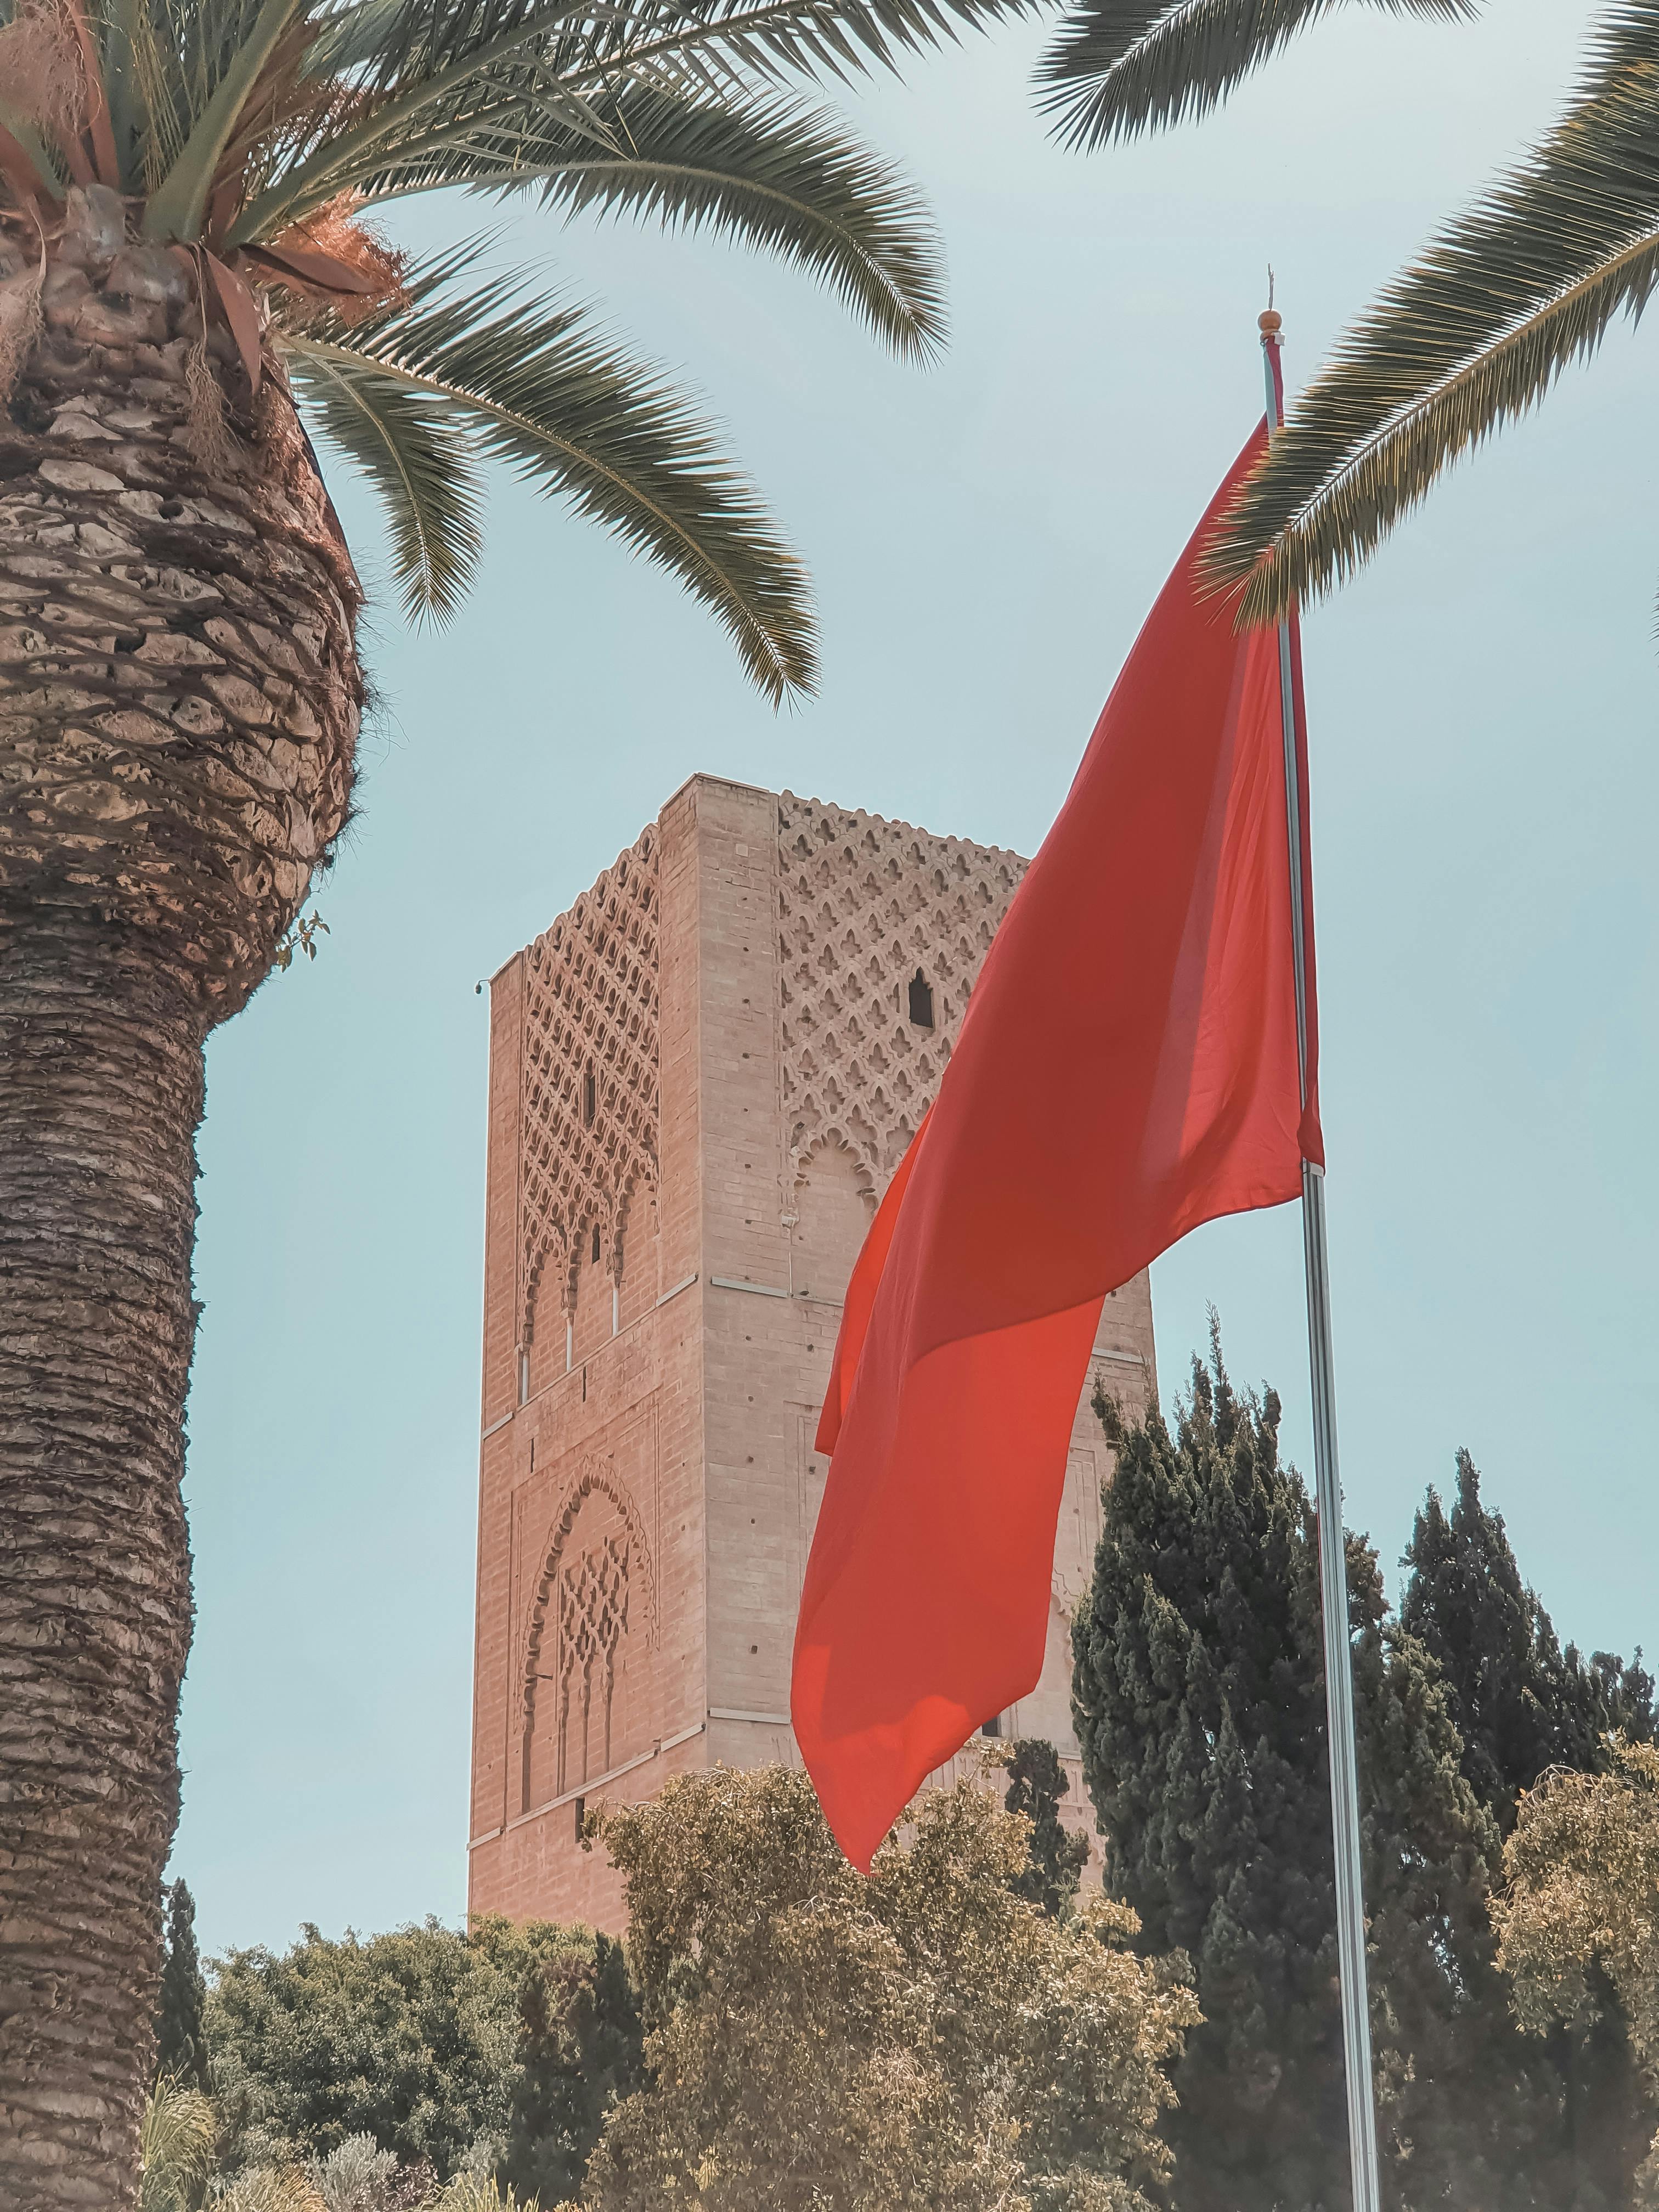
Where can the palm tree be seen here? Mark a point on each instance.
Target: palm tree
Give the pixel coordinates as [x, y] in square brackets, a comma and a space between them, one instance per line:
[1473, 333]
[188, 270]
[178, 2147]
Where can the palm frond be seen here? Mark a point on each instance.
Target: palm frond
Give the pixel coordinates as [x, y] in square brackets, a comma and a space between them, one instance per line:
[773, 39]
[770, 174]
[1474, 334]
[176, 2146]
[521, 66]
[1626, 36]
[401, 44]
[176, 206]
[1118, 67]
[418, 458]
[121, 32]
[534, 386]
[504, 82]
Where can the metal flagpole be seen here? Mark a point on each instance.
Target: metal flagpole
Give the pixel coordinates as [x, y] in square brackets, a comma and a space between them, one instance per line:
[1328, 1491]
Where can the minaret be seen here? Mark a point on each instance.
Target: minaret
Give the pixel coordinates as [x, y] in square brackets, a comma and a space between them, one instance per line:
[702, 1077]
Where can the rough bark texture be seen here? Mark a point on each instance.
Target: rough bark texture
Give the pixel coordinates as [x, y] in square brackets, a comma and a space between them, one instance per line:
[178, 707]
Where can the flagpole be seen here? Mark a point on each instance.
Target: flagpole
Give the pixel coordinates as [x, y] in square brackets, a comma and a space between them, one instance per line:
[1328, 1487]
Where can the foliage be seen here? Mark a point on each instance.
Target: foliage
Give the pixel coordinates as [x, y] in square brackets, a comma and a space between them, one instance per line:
[1472, 334]
[1583, 1869]
[267, 2188]
[1036, 1782]
[301, 937]
[924, 2038]
[408, 2038]
[180, 2039]
[472, 2192]
[358, 2176]
[1199, 1701]
[255, 137]
[1521, 1703]
[1122, 66]
[579, 2052]
[178, 2144]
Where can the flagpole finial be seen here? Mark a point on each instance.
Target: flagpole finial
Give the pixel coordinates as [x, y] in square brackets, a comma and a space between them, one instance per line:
[1269, 323]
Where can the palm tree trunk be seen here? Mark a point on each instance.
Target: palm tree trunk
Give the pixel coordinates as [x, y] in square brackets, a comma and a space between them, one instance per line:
[179, 706]
[101, 1091]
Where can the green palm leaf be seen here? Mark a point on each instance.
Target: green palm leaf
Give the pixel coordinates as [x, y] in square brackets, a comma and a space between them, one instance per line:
[774, 38]
[1118, 67]
[771, 174]
[1475, 333]
[535, 61]
[179, 202]
[417, 455]
[531, 384]
[241, 123]
[177, 2145]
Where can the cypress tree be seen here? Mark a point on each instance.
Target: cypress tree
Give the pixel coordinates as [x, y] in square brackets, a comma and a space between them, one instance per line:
[1036, 1782]
[580, 2051]
[1200, 1702]
[1521, 1703]
[180, 2035]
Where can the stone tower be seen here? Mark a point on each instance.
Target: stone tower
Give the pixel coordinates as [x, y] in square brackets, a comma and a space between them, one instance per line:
[701, 1078]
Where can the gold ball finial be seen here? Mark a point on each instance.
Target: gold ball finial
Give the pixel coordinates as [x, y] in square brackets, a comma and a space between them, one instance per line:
[1269, 323]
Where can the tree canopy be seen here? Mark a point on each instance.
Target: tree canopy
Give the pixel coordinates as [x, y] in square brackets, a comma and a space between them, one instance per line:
[181, 2049]
[926, 2038]
[410, 2036]
[1521, 1703]
[1578, 1916]
[1200, 1700]
[1036, 1782]
[579, 2052]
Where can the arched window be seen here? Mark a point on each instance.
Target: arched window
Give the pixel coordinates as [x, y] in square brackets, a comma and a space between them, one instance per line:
[921, 1001]
[590, 1098]
[594, 1253]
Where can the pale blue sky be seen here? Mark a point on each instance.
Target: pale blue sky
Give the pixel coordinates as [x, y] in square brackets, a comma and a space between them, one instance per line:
[986, 539]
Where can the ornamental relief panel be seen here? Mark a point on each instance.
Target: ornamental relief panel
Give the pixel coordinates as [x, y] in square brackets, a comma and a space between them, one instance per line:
[882, 929]
[594, 1607]
[589, 1083]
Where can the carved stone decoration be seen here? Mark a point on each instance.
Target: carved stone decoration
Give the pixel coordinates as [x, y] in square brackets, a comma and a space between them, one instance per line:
[590, 1076]
[592, 1615]
[587, 1597]
[878, 923]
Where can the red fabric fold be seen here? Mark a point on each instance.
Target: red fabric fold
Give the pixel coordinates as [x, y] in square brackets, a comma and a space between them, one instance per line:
[1127, 1069]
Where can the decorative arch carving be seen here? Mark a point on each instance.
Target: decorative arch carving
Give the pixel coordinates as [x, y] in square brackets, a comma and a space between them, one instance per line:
[831, 1207]
[832, 1141]
[634, 1203]
[590, 1477]
[590, 1073]
[866, 907]
[590, 1599]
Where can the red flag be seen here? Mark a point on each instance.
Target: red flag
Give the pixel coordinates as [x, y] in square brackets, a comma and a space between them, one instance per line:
[1127, 1069]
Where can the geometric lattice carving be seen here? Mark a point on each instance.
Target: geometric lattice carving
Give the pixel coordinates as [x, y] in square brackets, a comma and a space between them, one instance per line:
[590, 1075]
[864, 906]
[579, 1606]
[593, 1615]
